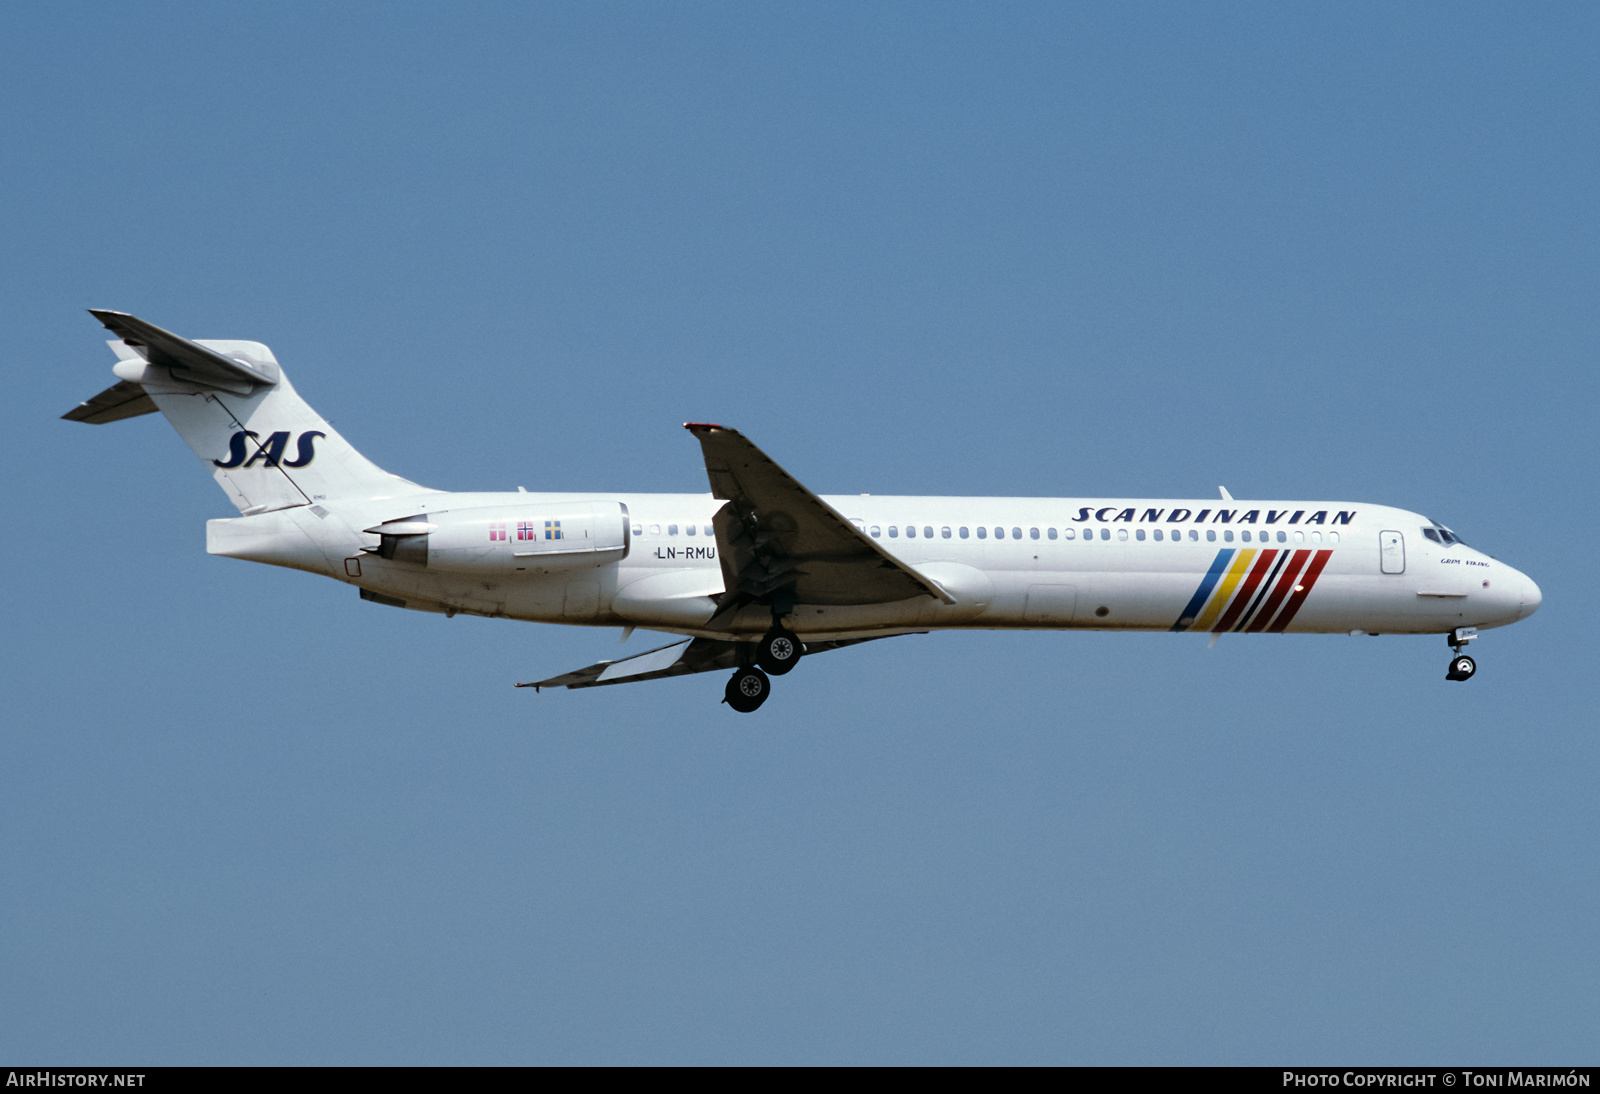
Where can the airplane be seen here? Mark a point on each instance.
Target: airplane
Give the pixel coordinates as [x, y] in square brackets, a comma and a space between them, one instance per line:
[760, 572]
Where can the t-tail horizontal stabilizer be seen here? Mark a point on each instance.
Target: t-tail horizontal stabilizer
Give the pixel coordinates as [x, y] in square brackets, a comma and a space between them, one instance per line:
[123, 399]
[228, 365]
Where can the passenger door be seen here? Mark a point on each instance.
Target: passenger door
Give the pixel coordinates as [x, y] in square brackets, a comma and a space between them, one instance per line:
[1391, 552]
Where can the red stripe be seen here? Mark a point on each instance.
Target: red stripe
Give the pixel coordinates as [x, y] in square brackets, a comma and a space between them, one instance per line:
[1279, 591]
[1241, 600]
[1304, 590]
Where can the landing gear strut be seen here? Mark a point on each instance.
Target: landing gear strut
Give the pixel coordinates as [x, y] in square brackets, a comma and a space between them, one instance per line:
[1462, 667]
[777, 652]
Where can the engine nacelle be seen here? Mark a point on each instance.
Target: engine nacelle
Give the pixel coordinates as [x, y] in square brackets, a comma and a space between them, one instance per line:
[506, 539]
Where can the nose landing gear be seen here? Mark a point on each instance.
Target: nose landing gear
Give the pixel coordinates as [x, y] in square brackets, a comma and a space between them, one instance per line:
[1462, 667]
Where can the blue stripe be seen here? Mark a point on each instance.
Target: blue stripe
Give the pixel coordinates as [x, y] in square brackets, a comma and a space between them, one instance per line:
[1218, 568]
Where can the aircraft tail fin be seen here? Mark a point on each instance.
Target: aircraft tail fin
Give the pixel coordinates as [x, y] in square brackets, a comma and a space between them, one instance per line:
[231, 403]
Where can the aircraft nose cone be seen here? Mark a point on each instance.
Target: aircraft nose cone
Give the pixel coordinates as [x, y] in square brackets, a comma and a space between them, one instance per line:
[1531, 598]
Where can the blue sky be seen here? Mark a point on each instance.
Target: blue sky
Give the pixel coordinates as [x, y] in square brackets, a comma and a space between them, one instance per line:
[1344, 252]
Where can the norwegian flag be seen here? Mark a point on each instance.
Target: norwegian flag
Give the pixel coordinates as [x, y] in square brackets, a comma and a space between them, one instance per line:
[526, 530]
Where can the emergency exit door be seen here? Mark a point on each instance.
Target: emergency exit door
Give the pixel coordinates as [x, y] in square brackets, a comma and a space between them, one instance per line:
[1392, 552]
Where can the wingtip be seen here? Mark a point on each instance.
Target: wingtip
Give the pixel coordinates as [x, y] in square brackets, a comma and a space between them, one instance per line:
[696, 427]
[117, 322]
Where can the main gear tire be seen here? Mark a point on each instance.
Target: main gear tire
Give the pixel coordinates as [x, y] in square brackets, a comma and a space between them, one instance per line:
[778, 651]
[747, 689]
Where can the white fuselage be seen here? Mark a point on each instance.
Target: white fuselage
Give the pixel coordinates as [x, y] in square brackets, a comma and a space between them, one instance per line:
[1103, 564]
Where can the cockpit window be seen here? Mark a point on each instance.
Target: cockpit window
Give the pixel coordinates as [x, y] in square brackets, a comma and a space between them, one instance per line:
[1432, 533]
[1440, 534]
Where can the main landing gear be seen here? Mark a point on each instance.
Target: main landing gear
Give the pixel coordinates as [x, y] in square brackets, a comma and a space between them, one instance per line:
[1462, 667]
[778, 651]
[747, 690]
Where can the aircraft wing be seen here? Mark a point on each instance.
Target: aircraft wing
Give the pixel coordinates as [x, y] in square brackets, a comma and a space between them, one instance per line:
[774, 534]
[679, 659]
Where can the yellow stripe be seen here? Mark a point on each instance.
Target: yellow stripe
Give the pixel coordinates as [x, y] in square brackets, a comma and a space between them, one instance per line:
[1219, 599]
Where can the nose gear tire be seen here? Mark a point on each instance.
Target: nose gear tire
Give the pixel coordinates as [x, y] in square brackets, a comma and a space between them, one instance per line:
[1461, 668]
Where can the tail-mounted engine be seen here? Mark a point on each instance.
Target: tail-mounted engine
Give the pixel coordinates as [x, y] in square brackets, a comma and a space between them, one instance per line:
[508, 539]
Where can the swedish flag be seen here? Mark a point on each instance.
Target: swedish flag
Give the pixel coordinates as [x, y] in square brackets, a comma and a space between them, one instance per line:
[552, 529]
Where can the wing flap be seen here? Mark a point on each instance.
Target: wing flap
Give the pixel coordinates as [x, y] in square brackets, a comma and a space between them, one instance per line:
[679, 659]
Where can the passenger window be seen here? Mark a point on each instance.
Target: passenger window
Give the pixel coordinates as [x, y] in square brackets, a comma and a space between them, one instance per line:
[672, 529]
[874, 531]
[1333, 537]
[1316, 537]
[1070, 533]
[638, 529]
[655, 529]
[999, 533]
[983, 533]
[1157, 534]
[1193, 534]
[1016, 533]
[963, 531]
[1033, 533]
[1299, 537]
[1122, 533]
[894, 531]
[688, 529]
[1177, 534]
[1139, 535]
[1282, 537]
[911, 531]
[1245, 535]
[927, 532]
[1105, 533]
[1227, 537]
[944, 532]
[710, 530]
[1051, 532]
[1211, 535]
